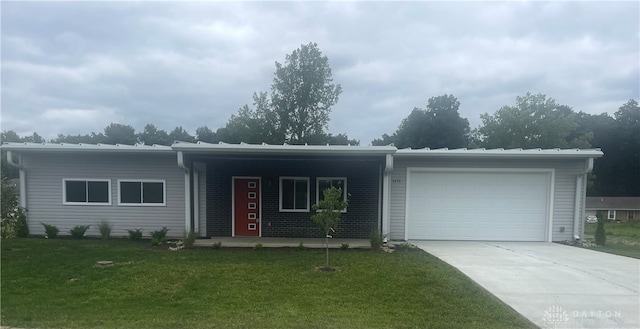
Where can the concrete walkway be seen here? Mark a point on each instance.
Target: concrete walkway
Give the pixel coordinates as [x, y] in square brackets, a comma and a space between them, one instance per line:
[250, 242]
[553, 285]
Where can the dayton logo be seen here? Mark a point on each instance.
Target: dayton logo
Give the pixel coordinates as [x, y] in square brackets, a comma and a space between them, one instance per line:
[554, 316]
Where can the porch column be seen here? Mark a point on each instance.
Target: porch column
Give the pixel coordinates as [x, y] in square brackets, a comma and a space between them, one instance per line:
[187, 192]
[386, 193]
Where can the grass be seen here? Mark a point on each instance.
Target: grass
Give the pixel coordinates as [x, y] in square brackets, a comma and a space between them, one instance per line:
[622, 238]
[57, 284]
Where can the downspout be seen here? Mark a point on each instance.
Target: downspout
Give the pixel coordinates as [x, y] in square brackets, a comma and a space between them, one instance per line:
[23, 180]
[581, 192]
[196, 200]
[386, 200]
[187, 192]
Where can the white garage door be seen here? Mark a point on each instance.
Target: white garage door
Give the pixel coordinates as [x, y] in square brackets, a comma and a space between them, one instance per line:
[498, 206]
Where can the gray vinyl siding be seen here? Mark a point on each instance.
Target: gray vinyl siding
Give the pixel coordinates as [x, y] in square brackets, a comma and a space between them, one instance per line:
[566, 172]
[44, 179]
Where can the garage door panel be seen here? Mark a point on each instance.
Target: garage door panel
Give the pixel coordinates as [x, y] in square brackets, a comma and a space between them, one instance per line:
[477, 206]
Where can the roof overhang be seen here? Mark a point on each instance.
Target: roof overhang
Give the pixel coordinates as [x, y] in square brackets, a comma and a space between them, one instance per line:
[268, 149]
[310, 150]
[70, 148]
[500, 153]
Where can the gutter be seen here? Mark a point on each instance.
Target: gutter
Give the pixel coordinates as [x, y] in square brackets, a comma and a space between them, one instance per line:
[580, 192]
[187, 192]
[267, 149]
[543, 154]
[23, 180]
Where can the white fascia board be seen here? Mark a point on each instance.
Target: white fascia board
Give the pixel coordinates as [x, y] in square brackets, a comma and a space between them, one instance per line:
[500, 153]
[65, 147]
[283, 149]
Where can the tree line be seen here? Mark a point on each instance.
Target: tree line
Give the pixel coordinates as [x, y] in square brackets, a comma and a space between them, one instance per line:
[297, 109]
[535, 121]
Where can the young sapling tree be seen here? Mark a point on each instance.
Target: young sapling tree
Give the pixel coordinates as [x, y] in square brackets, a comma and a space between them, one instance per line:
[327, 213]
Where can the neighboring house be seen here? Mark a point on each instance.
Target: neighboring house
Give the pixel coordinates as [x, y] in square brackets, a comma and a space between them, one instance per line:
[268, 190]
[615, 208]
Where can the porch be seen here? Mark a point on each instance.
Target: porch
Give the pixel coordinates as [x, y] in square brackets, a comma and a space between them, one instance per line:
[268, 242]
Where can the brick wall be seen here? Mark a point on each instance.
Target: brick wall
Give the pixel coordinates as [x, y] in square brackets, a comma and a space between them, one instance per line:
[363, 184]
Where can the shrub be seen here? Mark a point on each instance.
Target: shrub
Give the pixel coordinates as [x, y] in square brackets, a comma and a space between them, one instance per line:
[217, 245]
[344, 246]
[22, 228]
[50, 231]
[13, 220]
[258, 246]
[78, 231]
[301, 246]
[159, 237]
[190, 239]
[376, 239]
[601, 236]
[135, 234]
[8, 228]
[105, 229]
[15, 225]
[405, 247]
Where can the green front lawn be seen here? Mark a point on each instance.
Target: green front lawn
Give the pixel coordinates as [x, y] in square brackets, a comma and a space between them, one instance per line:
[622, 238]
[56, 284]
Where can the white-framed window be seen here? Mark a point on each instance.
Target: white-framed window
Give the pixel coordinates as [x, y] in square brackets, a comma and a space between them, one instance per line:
[323, 183]
[611, 214]
[294, 194]
[86, 191]
[142, 192]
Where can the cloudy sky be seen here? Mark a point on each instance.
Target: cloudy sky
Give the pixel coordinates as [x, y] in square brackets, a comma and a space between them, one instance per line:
[75, 67]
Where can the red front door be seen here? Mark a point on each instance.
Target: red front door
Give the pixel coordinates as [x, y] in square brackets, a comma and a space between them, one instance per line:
[246, 206]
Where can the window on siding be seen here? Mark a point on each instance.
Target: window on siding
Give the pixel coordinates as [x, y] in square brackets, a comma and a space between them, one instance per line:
[87, 191]
[611, 214]
[324, 183]
[145, 192]
[294, 194]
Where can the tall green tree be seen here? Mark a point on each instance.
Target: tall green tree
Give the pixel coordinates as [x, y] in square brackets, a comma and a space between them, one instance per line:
[439, 125]
[205, 134]
[303, 93]
[602, 127]
[297, 111]
[341, 139]
[152, 135]
[179, 134]
[253, 125]
[628, 149]
[534, 122]
[8, 136]
[117, 133]
[34, 138]
[92, 138]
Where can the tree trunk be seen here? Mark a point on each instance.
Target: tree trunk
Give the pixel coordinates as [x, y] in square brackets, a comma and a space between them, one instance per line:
[326, 238]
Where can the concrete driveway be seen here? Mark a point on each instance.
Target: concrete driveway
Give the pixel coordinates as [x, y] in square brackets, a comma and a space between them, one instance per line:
[553, 285]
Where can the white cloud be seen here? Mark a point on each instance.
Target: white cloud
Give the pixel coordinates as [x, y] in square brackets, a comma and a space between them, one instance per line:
[196, 63]
[20, 46]
[78, 121]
